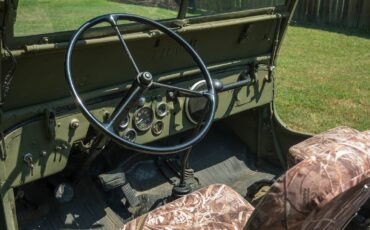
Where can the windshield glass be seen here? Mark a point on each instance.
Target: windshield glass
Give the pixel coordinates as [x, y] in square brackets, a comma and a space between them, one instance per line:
[47, 16]
[206, 7]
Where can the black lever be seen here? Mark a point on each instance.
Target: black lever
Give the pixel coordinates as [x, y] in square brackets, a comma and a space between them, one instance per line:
[245, 79]
[220, 87]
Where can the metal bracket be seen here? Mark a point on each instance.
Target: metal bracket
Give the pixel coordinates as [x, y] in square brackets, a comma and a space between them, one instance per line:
[244, 34]
[181, 23]
[3, 154]
[50, 122]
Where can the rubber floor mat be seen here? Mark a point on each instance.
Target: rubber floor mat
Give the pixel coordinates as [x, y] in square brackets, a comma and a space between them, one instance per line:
[222, 158]
[85, 211]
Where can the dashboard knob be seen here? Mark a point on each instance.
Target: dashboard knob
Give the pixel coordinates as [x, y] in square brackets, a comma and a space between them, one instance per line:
[218, 85]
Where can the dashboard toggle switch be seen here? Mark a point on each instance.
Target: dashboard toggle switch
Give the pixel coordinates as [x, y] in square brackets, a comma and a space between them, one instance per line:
[28, 159]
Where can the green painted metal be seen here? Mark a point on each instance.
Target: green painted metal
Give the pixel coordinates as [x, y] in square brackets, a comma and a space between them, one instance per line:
[228, 43]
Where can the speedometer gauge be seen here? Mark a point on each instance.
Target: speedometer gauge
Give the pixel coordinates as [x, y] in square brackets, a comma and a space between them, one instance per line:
[143, 118]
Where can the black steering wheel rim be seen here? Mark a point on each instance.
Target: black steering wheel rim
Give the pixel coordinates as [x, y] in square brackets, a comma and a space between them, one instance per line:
[210, 94]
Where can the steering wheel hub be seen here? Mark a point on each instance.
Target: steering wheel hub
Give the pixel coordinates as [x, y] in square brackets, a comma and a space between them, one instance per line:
[145, 79]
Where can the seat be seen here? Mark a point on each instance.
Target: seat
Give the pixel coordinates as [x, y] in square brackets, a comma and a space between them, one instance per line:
[318, 143]
[322, 191]
[214, 207]
[328, 182]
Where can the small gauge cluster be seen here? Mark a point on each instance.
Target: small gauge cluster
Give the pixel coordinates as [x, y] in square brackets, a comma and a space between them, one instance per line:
[143, 119]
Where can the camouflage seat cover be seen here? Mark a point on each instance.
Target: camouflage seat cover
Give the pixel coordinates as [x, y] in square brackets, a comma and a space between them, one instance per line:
[325, 189]
[213, 207]
[319, 143]
[321, 192]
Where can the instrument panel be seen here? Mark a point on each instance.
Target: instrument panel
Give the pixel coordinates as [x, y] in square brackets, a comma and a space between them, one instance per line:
[157, 116]
[145, 118]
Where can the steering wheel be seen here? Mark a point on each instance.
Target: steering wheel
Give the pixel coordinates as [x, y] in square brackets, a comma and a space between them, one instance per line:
[143, 82]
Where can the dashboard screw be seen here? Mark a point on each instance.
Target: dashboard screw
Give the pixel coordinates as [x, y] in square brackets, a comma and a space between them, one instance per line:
[43, 153]
[171, 95]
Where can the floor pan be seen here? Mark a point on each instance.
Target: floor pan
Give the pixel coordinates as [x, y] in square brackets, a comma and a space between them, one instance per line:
[86, 211]
[220, 158]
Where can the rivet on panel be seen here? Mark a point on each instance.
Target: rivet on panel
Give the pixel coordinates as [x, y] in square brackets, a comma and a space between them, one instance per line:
[43, 153]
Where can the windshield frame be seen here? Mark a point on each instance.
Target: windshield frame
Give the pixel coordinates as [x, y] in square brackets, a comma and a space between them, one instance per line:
[12, 41]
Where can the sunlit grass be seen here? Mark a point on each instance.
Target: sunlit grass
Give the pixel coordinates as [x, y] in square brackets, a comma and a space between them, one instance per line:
[46, 16]
[323, 79]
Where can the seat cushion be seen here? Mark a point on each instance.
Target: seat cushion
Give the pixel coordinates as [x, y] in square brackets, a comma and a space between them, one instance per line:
[213, 207]
[322, 191]
[319, 143]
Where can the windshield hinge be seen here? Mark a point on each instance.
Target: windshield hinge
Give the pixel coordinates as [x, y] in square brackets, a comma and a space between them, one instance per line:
[181, 23]
[275, 46]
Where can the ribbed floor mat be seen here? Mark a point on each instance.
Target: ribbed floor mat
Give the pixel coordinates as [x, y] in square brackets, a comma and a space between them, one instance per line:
[219, 158]
[222, 158]
[86, 211]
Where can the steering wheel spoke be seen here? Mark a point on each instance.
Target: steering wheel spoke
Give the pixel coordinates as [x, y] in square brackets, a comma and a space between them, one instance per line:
[123, 107]
[113, 21]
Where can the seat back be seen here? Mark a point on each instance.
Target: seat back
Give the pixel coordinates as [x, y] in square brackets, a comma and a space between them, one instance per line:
[319, 143]
[321, 192]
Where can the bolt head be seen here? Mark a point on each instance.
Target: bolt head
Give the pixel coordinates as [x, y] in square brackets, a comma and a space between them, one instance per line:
[145, 78]
[171, 95]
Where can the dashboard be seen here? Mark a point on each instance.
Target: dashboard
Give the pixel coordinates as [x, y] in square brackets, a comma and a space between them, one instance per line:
[43, 126]
[157, 115]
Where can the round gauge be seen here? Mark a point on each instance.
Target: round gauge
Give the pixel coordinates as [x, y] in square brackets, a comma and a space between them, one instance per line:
[124, 123]
[157, 128]
[129, 135]
[162, 109]
[195, 106]
[143, 118]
